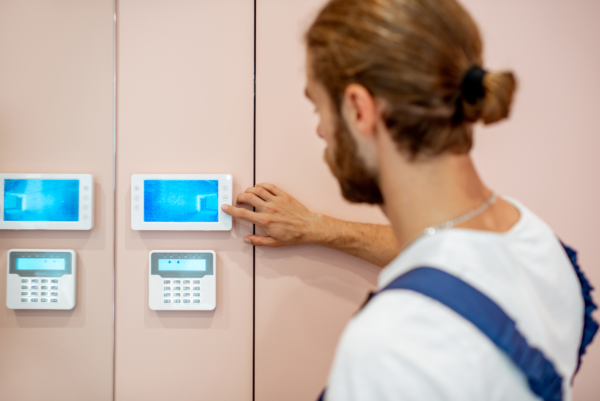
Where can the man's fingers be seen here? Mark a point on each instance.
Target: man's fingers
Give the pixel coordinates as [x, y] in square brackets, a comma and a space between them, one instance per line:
[271, 188]
[250, 199]
[242, 214]
[261, 193]
[260, 240]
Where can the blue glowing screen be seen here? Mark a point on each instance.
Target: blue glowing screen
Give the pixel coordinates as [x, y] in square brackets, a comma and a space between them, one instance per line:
[190, 265]
[40, 264]
[41, 200]
[181, 201]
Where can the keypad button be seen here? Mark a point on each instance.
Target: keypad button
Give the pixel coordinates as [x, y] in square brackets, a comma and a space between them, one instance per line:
[44, 280]
[24, 287]
[34, 287]
[167, 282]
[34, 294]
[34, 299]
[196, 301]
[55, 281]
[186, 288]
[186, 281]
[187, 294]
[186, 301]
[167, 288]
[177, 301]
[24, 280]
[24, 300]
[35, 280]
[196, 281]
[54, 287]
[176, 288]
[196, 288]
[54, 300]
[44, 287]
[44, 300]
[54, 294]
[24, 294]
[176, 282]
[167, 301]
[167, 294]
[177, 294]
[44, 294]
[196, 294]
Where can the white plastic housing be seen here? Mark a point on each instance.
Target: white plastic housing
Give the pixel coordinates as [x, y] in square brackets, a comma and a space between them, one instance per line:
[138, 220]
[208, 286]
[86, 204]
[67, 286]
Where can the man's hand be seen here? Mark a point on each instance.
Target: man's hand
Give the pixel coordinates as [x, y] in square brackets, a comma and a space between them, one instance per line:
[285, 220]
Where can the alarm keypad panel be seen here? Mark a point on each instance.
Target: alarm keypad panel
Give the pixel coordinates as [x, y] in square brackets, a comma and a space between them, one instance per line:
[41, 279]
[183, 280]
[46, 201]
[180, 202]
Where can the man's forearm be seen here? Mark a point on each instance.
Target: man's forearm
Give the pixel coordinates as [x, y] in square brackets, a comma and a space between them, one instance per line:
[372, 242]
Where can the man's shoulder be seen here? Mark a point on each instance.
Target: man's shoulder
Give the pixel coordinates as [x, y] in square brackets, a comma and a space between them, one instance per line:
[405, 341]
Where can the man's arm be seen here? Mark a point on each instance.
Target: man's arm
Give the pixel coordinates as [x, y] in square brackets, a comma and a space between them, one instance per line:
[287, 222]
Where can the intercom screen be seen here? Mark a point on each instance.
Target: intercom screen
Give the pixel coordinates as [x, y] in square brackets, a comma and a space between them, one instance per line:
[41, 200]
[181, 201]
[190, 265]
[40, 264]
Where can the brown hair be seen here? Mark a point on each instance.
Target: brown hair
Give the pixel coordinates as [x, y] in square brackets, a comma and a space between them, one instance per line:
[412, 54]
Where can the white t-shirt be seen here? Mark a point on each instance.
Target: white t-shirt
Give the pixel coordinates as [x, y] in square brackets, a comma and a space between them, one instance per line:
[406, 346]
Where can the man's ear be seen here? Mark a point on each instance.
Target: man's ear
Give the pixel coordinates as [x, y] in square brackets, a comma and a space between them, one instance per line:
[359, 109]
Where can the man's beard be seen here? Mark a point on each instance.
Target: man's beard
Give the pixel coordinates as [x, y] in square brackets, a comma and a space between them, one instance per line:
[357, 183]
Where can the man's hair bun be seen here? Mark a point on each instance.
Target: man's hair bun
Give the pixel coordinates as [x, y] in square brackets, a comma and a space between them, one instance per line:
[494, 106]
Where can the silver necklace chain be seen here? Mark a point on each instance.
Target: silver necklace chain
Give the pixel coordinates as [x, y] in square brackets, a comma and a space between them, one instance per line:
[429, 231]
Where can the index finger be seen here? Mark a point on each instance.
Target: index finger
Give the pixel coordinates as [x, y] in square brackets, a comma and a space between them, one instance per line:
[241, 213]
[271, 188]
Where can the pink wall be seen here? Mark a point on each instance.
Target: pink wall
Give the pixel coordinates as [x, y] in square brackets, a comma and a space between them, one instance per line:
[185, 105]
[304, 294]
[544, 156]
[56, 116]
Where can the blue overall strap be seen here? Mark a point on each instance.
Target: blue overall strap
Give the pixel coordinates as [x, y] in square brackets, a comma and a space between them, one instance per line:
[590, 326]
[490, 319]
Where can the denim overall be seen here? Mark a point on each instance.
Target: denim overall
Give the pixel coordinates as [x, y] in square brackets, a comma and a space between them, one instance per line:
[492, 321]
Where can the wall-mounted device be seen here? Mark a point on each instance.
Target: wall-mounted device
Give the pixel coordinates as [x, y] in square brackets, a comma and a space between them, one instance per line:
[180, 201]
[46, 201]
[183, 280]
[41, 279]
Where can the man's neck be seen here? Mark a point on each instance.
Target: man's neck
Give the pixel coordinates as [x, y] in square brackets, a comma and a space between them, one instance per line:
[420, 194]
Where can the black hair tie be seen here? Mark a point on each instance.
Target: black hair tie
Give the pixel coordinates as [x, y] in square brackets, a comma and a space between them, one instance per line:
[471, 87]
